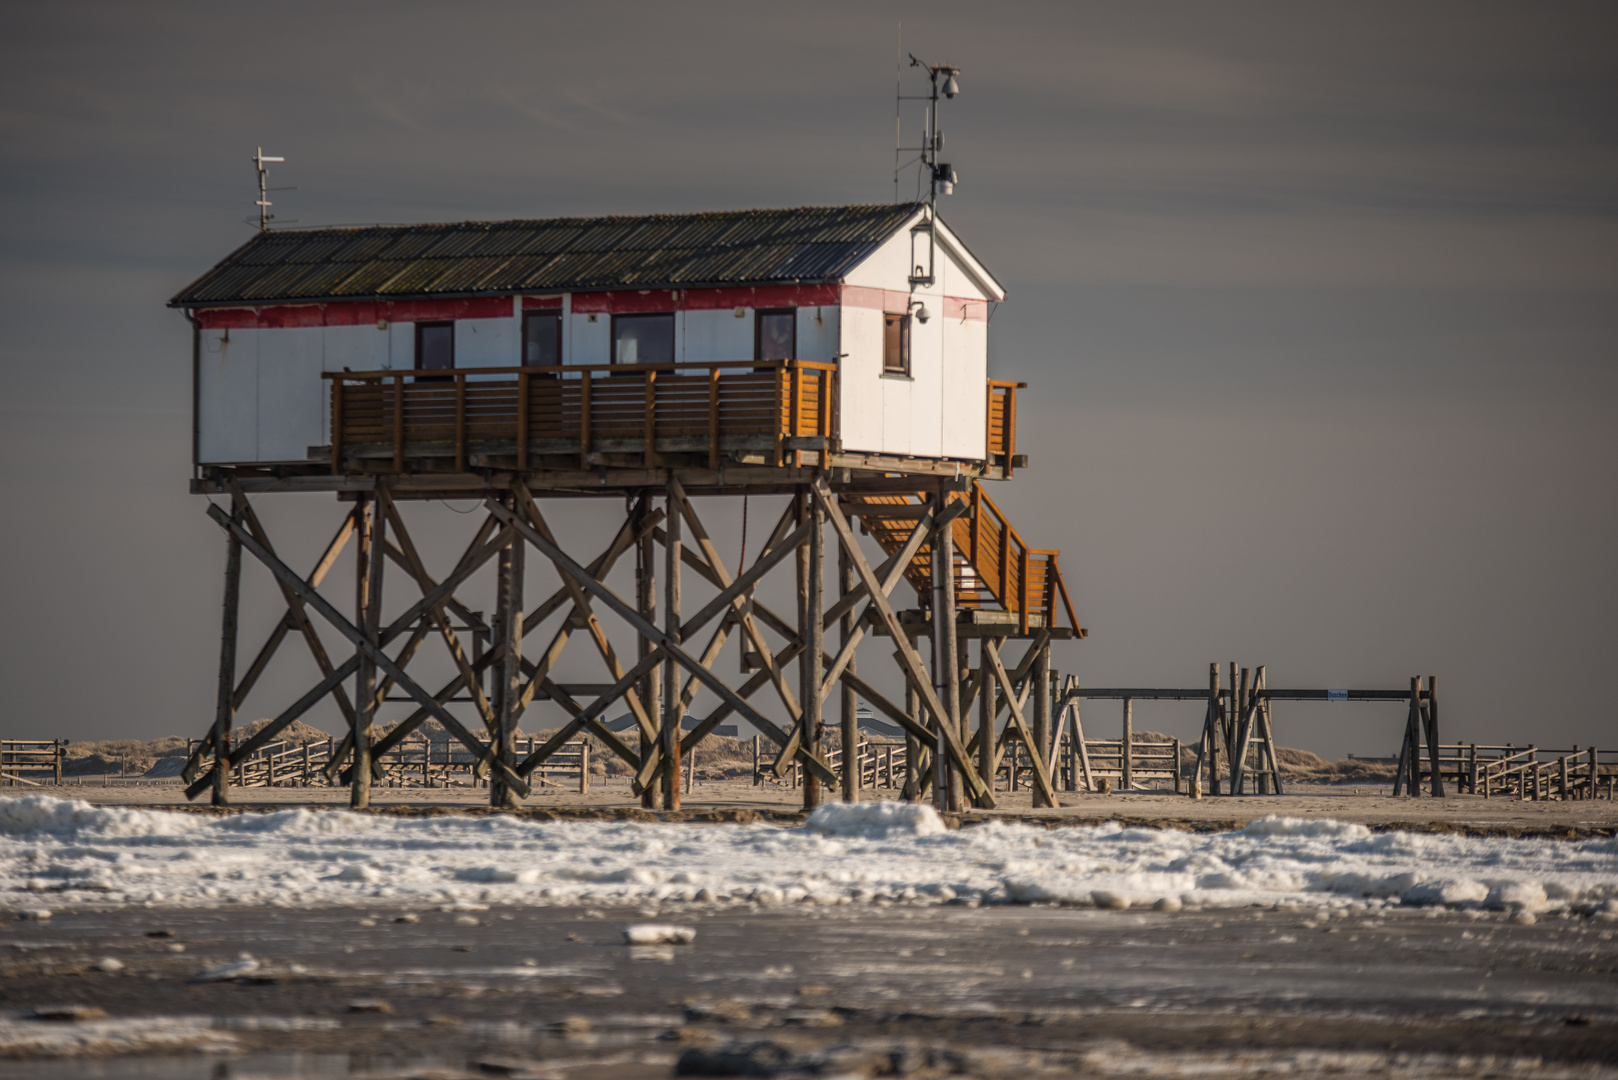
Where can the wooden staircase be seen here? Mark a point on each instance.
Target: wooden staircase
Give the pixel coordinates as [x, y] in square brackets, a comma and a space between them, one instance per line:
[994, 567]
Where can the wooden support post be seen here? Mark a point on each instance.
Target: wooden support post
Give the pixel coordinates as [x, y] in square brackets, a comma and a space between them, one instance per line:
[852, 777]
[1229, 722]
[946, 664]
[1080, 751]
[224, 708]
[1431, 718]
[367, 567]
[584, 766]
[646, 605]
[811, 592]
[988, 708]
[1127, 747]
[912, 783]
[671, 627]
[508, 625]
[1041, 676]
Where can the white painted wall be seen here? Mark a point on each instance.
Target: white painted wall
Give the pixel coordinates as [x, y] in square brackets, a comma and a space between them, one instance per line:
[940, 411]
[227, 396]
[291, 409]
[710, 336]
[589, 342]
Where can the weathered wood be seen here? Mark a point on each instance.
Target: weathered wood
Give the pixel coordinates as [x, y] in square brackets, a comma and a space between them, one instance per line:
[1042, 778]
[371, 534]
[508, 625]
[911, 662]
[225, 708]
[672, 713]
[658, 637]
[1041, 746]
[987, 708]
[1431, 719]
[811, 591]
[372, 652]
[848, 700]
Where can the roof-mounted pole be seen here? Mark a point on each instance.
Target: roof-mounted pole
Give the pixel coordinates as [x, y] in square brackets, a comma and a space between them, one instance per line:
[264, 215]
[941, 175]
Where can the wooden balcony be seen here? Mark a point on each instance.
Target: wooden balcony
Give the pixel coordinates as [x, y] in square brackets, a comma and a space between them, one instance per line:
[767, 413]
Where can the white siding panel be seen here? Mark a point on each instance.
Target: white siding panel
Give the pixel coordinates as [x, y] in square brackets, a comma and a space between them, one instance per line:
[289, 393]
[401, 346]
[861, 408]
[486, 343]
[964, 389]
[227, 396]
[818, 334]
[356, 348]
[590, 342]
[715, 335]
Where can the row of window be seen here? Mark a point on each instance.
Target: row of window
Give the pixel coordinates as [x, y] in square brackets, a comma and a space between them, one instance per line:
[649, 339]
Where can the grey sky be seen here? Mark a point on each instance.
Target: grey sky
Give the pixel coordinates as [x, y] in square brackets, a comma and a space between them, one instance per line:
[1317, 303]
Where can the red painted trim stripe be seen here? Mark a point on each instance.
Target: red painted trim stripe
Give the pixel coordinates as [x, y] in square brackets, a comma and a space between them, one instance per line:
[633, 301]
[955, 307]
[542, 303]
[354, 313]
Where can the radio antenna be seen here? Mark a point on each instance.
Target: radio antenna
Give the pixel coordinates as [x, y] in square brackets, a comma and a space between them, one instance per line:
[940, 174]
[264, 215]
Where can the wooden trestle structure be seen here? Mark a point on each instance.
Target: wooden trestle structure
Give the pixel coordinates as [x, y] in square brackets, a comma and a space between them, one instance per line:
[524, 442]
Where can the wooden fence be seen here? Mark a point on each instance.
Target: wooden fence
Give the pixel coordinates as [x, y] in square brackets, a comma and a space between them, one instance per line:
[31, 761]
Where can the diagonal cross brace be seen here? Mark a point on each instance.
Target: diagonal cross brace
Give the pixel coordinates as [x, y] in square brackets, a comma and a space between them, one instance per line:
[374, 653]
[665, 645]
[907, 654]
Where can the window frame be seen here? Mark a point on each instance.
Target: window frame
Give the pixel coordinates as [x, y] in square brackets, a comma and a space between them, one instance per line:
[612, 341]
[448, 372]
[758, 333]
[530, 313]
[906, 348]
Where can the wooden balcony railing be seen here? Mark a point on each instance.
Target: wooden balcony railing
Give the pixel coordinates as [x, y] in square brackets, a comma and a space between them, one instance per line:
[776, 408]
[1002, 426]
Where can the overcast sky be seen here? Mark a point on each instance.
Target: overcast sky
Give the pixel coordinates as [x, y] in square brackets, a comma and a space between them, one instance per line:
[1319, 306]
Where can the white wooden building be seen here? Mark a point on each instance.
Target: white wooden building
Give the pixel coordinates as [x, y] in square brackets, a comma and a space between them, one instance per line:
[845, 286]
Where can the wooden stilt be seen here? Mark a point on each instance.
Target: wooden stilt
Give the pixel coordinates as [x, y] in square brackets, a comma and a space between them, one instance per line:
[1041, 748]
[508, 625]
[646, 605]
[225, 708]
[811, 606]
[946, 669]
[987, 710]
[912, 785]
[671, 671]
[852, 776]
[1081, 751]
[1431, 721]
[367, 599]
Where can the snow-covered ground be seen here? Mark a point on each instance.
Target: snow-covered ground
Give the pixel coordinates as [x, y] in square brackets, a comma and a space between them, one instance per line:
[69, 853]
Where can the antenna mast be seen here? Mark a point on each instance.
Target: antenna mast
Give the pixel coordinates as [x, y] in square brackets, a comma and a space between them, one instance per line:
[941, 175]
[264, 215]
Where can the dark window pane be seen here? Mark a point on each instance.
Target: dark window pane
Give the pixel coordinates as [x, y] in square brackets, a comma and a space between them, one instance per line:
[542, 338]
[435, 346]
[643, 339]
[896, 344]
[777, 335]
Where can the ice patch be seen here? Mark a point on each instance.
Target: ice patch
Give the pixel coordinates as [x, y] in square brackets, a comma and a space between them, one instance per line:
[83, 856]
[875, 820]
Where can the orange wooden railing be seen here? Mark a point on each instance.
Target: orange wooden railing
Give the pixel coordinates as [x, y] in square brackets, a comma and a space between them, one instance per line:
[582, 408]
[993, 564]
[1002, 423]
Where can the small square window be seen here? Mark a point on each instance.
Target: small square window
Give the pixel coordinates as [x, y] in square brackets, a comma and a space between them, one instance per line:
[896, 343]
[775, 334]
[435, 350]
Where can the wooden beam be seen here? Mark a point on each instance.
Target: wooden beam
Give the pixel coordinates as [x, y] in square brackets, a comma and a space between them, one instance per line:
[909, 660]
[628, 614]
[372, 651]
[1042, 777]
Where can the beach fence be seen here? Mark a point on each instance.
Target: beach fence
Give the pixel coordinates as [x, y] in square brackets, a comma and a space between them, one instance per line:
[412, 762]
[1236, 752]
[880, 764]
[31, 762]
[1538, 774]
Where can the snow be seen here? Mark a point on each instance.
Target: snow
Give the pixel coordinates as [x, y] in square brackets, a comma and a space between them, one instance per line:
[87, 856]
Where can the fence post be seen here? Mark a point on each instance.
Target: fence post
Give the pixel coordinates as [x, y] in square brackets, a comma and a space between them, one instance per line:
[1126, 779]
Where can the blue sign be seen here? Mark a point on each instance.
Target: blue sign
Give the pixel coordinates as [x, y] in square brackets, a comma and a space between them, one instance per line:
[1336, 695]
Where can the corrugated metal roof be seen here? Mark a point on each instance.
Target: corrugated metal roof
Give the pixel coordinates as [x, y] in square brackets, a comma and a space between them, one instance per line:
[734, 247]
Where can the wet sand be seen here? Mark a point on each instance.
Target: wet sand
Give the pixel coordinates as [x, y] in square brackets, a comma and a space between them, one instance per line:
[1365, 805]
[955, 991]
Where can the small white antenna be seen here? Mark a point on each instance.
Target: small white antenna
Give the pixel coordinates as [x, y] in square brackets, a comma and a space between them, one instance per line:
[940, 175]
[264, 215]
